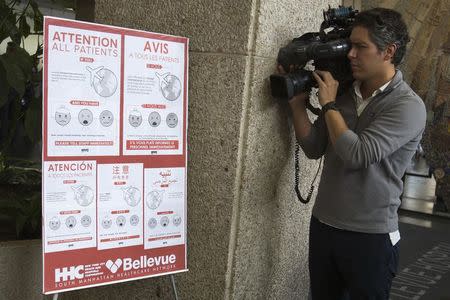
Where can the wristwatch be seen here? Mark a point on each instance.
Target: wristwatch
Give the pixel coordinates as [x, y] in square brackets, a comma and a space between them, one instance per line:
[330, 105]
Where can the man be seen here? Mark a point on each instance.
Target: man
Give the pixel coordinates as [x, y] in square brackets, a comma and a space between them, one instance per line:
[368, 136]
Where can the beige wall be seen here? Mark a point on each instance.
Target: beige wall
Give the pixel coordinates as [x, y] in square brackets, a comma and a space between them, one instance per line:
[247, 233]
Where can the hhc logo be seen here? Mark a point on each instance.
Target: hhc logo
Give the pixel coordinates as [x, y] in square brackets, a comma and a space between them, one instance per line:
[70, 273]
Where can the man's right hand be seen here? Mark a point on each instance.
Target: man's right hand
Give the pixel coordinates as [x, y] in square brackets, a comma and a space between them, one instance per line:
[302, 125]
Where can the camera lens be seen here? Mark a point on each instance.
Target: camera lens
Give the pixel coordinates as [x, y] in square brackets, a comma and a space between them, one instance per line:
[288, 85]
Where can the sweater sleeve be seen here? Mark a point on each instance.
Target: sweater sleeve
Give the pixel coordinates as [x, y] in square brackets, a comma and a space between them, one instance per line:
[390, 130]
[314, 145]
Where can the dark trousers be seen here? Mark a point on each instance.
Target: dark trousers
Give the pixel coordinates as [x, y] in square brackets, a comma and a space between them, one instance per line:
[350, 265]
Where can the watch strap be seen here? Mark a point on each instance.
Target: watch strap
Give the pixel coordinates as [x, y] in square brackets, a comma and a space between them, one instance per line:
[330, 105]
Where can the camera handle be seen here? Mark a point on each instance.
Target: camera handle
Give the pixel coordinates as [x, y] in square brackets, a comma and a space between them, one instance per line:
[297, 175]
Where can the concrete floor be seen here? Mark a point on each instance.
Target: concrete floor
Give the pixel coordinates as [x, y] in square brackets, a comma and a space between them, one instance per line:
[424, 271]
[424, 221]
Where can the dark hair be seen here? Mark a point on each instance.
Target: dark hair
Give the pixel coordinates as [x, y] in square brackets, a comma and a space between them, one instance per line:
[386, 27]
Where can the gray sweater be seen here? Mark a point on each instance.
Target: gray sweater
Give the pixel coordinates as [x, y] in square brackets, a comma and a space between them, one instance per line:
[361, 181]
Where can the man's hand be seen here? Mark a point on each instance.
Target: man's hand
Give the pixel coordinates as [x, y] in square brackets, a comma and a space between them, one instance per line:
[297, 99]
[328, 86]
[302, 125]
[327, 93]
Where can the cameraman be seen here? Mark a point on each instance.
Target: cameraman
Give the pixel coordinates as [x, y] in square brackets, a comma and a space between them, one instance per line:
[368, 136]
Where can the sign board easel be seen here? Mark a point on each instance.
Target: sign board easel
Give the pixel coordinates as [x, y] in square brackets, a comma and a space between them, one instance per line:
[114, 155]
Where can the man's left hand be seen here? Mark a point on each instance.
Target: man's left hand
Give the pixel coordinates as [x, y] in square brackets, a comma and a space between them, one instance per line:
[328, 86]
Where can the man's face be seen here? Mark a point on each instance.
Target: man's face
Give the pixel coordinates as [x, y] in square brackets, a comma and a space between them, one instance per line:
[367, 62]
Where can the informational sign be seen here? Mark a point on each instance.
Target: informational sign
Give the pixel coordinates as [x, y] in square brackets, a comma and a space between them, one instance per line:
[114, 155]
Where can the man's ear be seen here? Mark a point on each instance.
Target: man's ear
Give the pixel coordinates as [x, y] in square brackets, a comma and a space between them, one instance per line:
[390, 52]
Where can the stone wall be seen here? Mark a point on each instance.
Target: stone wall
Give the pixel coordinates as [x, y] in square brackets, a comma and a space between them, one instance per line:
[247, 233]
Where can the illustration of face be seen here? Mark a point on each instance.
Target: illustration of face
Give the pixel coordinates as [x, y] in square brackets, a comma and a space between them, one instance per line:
[71, 222]
[152, 223]
[135, 118]
[85, 117]
[134, 220]
[106, 222]
[172, 120]
[120, 221]
[154, 119]
[85, 221]
[54, 223]
[62, 116]
[176, 220]
[164, 221]
[106, 118]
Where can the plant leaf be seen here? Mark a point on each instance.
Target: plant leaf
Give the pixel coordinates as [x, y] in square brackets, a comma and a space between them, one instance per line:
[14, 118]
[24, 28]
[8, 19]
[14, 32]
[4, 13]
[14, 75]
[36, 206]
[4, 85]
[33, 124]
[9, 204]
[39, 51]
[9, 211]
[20, 56]
[33, 120]
[38, 18]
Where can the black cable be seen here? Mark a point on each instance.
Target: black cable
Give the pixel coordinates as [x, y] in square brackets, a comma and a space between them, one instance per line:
[297, 173]
[314, 110]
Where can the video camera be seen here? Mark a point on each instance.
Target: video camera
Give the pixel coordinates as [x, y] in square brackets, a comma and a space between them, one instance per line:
[327, 48]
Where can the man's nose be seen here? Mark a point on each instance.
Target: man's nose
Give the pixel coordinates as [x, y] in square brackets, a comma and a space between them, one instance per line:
[351, 53]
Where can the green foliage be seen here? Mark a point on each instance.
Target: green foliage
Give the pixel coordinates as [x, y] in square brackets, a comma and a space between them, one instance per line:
[20, 197]
[20, 81]
[21, 99]
[24, 212]
[20, 172]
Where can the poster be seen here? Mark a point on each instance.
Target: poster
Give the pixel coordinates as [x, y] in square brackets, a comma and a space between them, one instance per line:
[84, 92]
[114, 155]
[69, 196]
[152, 97]
[164, 207]
[119, 205]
